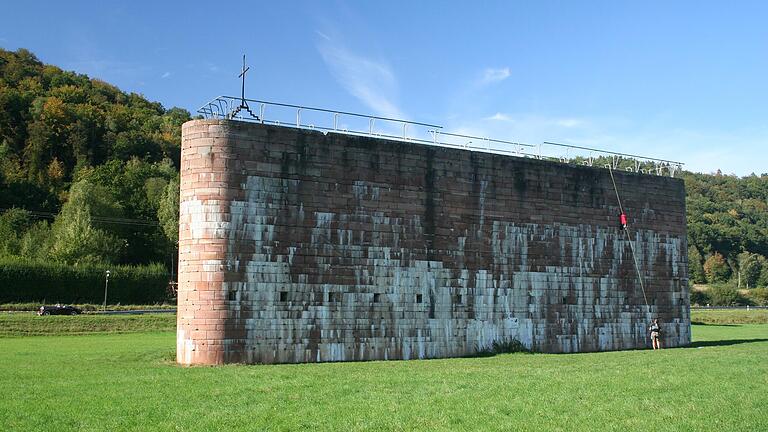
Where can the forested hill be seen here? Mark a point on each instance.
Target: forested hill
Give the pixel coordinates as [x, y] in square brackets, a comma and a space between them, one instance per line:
[113, 156]
[728, 228]
[105, 163]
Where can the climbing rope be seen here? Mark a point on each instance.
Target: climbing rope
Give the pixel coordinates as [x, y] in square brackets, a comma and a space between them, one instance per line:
[623, 219]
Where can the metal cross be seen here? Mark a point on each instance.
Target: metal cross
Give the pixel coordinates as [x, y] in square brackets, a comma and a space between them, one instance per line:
[242, 74]
[243, 104]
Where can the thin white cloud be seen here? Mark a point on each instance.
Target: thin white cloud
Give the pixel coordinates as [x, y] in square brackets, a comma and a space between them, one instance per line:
[370, 81]
[524, 128]
[569, 122]
[537, 121]
[323, 35]
[499, 117]
[165, 75]
[494, 75]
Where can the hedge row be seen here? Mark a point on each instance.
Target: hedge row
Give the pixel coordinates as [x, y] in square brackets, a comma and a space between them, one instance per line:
[51, 282]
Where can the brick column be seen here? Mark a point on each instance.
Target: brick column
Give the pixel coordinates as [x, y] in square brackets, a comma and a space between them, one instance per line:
[203, 226]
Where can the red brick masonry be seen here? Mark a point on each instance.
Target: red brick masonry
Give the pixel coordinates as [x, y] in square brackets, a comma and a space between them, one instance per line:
[297, 246]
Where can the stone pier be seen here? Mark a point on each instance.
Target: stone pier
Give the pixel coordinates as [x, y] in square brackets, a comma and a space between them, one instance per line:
[300, 246]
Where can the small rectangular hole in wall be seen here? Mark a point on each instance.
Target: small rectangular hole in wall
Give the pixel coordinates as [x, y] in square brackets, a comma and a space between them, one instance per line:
[283, 296]
[419, 298]
[232, 295]
[376, 297]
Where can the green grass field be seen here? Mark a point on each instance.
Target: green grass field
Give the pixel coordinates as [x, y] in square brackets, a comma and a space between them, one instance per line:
[128, 381]
[29, 324]
[729, 316]
[87, 307]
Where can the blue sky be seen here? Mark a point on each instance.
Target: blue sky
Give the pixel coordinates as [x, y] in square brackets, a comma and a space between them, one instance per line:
[681, 80]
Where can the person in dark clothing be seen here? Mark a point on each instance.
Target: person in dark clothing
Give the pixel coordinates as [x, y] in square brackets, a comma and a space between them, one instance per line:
[655, 334]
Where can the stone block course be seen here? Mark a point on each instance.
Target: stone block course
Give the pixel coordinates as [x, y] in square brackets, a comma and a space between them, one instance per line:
[300, 246]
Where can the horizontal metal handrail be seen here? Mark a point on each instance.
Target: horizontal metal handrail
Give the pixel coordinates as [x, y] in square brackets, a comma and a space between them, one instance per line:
[485, 139]
[238, 108]
[612, 152]
[333, 111]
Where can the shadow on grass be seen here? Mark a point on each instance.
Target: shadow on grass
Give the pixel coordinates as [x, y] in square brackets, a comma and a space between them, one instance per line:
[726, 342]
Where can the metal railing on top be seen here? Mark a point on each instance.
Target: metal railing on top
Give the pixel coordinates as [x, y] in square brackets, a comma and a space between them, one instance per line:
[304, 117]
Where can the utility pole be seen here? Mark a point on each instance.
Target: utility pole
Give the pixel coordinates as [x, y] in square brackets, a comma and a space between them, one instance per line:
[106, 286]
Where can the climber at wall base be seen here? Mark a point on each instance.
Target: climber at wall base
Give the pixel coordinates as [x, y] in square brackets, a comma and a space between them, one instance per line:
[655, 334]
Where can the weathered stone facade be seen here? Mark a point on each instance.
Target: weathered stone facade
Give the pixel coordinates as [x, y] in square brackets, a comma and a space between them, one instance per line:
[297, 246]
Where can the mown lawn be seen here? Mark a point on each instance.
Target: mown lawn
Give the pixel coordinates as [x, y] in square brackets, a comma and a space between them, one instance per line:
[29, 324]
[729, 316]
[129, 382]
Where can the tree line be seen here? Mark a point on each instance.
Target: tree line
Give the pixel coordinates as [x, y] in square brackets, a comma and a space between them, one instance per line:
[727, 228]
[727, 220]
[90, 174]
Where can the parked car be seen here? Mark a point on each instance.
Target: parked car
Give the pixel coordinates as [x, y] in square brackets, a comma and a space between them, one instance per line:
[59, 310]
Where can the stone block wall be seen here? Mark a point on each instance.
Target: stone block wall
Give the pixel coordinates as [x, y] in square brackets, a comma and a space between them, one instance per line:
[299, 246]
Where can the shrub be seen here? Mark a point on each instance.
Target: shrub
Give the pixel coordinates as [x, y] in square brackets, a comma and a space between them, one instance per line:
[506, 346]
[700, 298]
[24, 280]
[695, 267]
[750, 267]
[716, 268]
[763, 279]
[758, 296]
[13, 223]
[726, 295]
